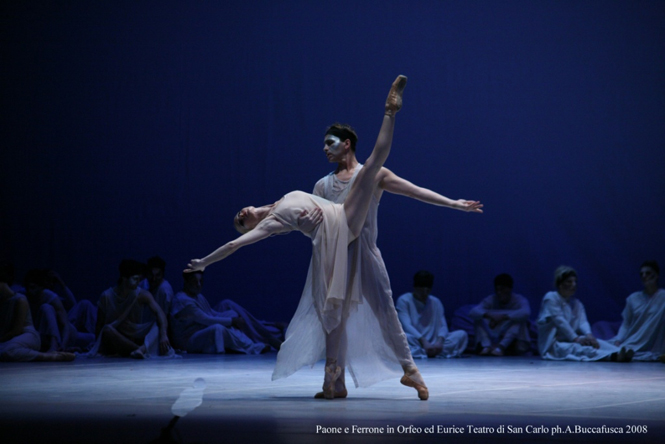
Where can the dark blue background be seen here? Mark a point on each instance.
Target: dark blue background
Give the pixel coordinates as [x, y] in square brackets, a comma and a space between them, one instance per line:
[131, 129]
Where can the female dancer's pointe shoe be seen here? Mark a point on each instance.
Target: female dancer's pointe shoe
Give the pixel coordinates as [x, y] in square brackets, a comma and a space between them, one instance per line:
[332, 373]
[394, 100]
[415, 380]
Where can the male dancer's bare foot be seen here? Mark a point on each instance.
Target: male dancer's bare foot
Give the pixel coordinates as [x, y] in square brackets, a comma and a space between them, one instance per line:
[332, 373]
[394, 100]
[413, 378]
[139, 353]
[340, 388]
[339, 394]
[56, 357]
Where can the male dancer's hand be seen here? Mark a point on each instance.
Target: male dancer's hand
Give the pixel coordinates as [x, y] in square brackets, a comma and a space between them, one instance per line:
[472, 206]
[308, 220]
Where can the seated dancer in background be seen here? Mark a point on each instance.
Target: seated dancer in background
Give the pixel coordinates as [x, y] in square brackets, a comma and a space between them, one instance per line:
[563, 330]
[643, 327]
[317, 328]
[48, 313]
[119, 327]
[502, 320]
[159, 287]
[424, 323]
[377, 313]
[197, 328]
[256, 330]
[9, 273]
[82, 314]
[19, 341]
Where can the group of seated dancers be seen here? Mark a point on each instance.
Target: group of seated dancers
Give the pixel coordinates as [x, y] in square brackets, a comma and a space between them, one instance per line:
[501, 322]
[138, 317]
[346, 314]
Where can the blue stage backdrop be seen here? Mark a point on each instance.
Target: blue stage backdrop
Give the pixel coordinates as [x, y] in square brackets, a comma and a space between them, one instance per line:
[132, 129]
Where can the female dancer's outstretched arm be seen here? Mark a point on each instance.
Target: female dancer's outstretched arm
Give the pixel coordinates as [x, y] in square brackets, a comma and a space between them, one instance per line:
[266, 228]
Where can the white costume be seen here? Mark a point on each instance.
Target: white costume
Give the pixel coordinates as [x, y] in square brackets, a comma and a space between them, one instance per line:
[559, 323]
[197, 328]
[643, 327]
[329, 294]
[516, 327]
[22, 347]
[426, 320]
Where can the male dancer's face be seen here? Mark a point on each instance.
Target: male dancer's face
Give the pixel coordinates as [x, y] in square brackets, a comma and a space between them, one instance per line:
[132, 282]
[155, 277]
[503, 293]
[333, 147]
[568, 287]
[649, 276]
[194, 284]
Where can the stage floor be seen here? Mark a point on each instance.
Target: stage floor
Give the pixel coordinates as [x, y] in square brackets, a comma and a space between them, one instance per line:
[472, 399]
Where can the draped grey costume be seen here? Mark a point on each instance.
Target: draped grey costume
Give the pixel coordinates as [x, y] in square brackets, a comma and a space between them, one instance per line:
[643, 326]
[559, 323]
[377, 347]
[330, 293]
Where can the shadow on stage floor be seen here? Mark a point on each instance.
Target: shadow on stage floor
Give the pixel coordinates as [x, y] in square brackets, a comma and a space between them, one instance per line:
[502, 400]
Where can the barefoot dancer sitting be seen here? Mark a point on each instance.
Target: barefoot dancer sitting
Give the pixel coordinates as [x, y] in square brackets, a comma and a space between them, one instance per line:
[332, 228]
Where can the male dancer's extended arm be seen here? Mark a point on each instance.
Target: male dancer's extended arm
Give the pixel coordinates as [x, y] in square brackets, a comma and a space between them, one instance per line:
[392, 183]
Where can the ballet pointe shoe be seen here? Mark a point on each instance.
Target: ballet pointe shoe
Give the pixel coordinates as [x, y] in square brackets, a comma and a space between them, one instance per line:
[413, 378]
[394, 100]
[332, 372]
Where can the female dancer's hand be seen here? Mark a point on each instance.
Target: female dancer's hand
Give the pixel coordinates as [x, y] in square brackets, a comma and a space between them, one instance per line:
[470, 205]
[308, 220]
[195, 265]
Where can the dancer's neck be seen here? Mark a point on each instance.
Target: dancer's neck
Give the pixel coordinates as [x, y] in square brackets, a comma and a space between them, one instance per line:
[347, 167]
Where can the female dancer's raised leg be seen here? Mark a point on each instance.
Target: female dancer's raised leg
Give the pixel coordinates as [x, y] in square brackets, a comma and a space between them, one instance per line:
[357, 202]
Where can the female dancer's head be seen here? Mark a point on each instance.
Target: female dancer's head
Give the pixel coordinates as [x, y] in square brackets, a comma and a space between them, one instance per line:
[249, 217]
[245, 220]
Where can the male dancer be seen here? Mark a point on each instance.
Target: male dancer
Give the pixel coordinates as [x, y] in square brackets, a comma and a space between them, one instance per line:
[364, 256]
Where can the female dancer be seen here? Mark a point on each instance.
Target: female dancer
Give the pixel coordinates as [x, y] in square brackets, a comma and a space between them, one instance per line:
[334, 227]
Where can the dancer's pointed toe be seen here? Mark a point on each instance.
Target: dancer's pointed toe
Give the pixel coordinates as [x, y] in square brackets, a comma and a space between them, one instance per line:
[394, 100]
[413, 378]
